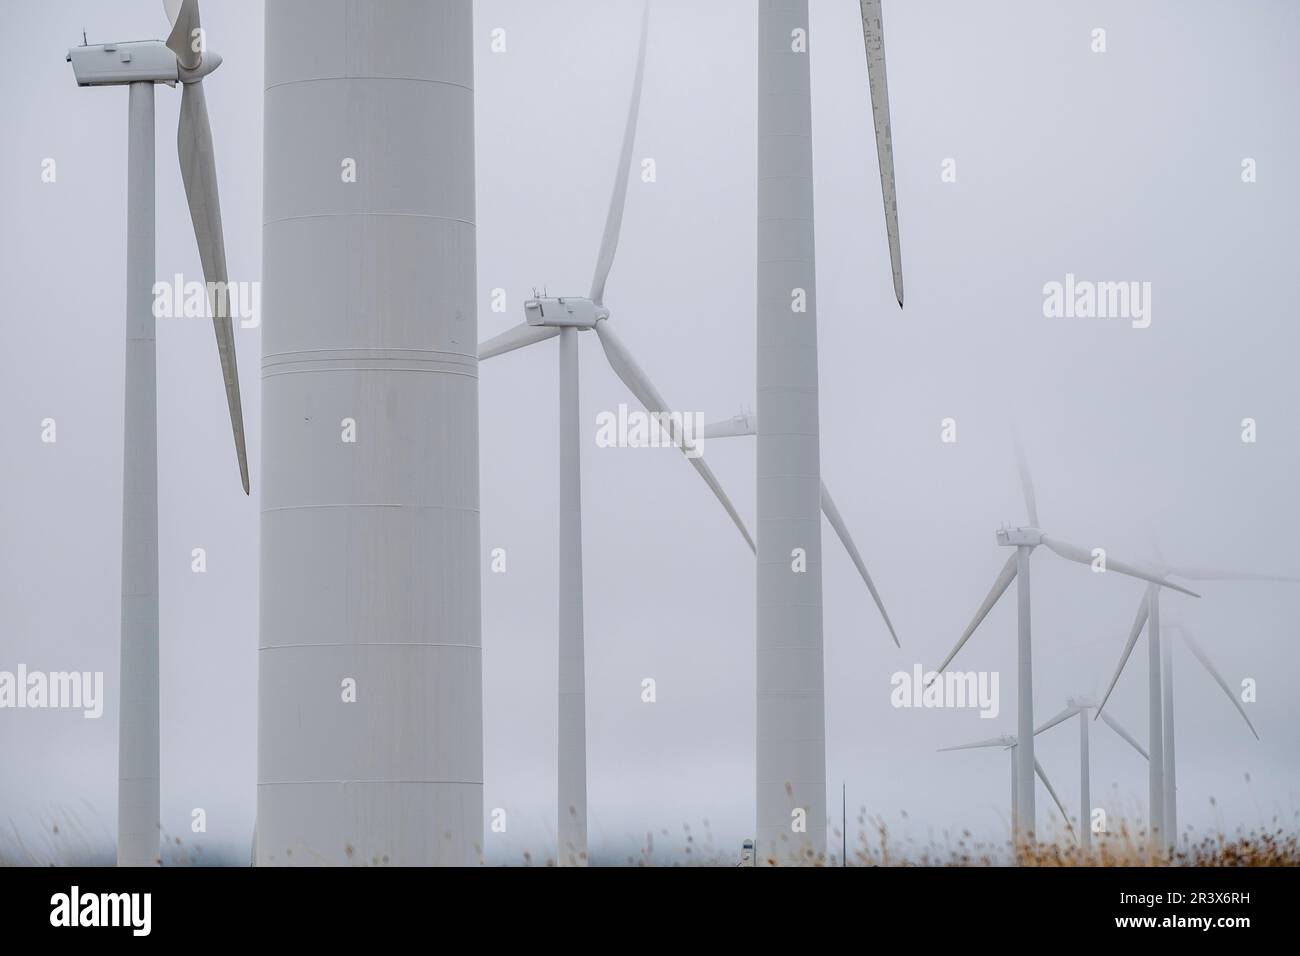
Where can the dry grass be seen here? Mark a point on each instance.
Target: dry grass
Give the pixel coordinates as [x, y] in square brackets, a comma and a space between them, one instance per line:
[65, 837]
[62, 836]
[1128, 846]
[874, 845]
[62, 839]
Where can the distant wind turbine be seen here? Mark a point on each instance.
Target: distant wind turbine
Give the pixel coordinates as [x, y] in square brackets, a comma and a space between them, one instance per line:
[1025, 540]
[1080, 707]
[546, 318]
[1160, 688]
[1009, 742]
[139, 65]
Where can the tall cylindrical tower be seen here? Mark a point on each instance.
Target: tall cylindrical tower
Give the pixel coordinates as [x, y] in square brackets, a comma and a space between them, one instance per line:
[791, 751]
[138, 796]
[370, 679]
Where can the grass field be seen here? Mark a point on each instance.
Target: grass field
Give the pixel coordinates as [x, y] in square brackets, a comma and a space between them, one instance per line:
[65, 841]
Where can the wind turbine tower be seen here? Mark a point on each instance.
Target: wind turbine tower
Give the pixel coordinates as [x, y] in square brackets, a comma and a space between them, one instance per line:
[791, 748]
[370, 733]
[791, 737]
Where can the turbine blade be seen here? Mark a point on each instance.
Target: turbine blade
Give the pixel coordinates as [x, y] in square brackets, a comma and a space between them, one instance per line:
[199, 173]
[184, 17]
[1138, 623]
[991, 742]
[1218, 677]
[833, 516]
[1042, 775]
[614, 218]
[873, 33]
[519, 337]
[1114, 725]
[639, 384]
[1210, 574]
[1063, 715]
[1026, 480]
[1072, 552]
[1003, 581]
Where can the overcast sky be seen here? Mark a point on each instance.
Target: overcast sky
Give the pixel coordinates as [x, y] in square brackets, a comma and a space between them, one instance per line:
[1117, 166]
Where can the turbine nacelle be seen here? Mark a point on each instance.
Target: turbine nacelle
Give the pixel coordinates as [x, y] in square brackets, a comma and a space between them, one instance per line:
[120, 64]
[745, 422]
[1020, 537]
[564, 312]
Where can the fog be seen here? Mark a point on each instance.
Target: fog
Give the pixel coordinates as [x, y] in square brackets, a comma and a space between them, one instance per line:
[1119, 166]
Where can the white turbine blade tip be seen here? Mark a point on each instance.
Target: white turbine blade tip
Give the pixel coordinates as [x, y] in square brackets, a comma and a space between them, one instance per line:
[196, 152]
[1219, 679]
[618, 198]
[873, 34]
[1213, 574]
[1138, 623]
[977, 745]
[842, 532]
[1124, 734]
[1000, 585]
[1080, 555]
[1042, 775]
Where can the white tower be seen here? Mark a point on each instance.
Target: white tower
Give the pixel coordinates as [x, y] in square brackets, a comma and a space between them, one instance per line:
[370, 678]
[791, 751]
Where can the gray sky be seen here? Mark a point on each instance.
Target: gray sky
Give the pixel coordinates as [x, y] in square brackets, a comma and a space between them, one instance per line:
[1117, 166]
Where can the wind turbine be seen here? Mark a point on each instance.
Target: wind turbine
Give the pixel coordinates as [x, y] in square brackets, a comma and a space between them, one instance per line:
[1080, 707]
[139, 65]
[791, 751]
[546, 318]
[1025, 540]
[1009, 742]
[1160, 689]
